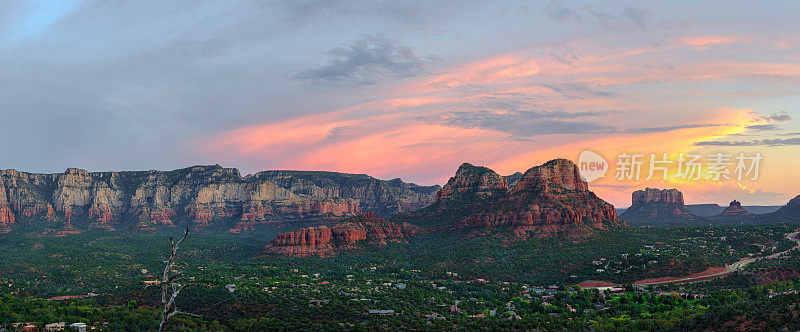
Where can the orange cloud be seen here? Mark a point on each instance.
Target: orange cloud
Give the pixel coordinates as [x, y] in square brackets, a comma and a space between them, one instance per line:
[706, 41]
[494, 70]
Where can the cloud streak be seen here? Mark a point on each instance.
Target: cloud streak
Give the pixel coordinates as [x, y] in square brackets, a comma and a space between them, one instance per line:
[367, 61]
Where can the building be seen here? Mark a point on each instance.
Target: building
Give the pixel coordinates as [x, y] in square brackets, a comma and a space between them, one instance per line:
[381, 312]
[53, 327]
[78, 327]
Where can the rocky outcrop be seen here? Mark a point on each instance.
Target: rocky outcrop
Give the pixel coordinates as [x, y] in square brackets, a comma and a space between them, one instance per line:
[736, 209]
[200, 196]
[657, 207]
[667, 196]
[555, 175]
[327, 241]
[548, 199]
[475, 179]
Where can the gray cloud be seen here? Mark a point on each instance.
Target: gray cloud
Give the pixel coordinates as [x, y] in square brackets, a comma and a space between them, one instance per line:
[648, 130]
[562, 53]
[522, 123]
[764, 127]
[577, 90]
[782, 117]
[558, 11]
[630, 16]
[367, 61]
[307, 11]
[765, 142]
[639, 16]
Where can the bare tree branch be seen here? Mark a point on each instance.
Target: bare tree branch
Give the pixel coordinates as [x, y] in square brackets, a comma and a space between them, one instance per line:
[172, 284]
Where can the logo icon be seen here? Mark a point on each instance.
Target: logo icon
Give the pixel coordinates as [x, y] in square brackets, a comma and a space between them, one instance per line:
[591, 166]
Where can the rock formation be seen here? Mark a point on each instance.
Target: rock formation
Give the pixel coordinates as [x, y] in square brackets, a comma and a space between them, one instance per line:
[327, 241]
[735, 208]
[203, 196]
[707, 210]
[657, 207]
[548, 199]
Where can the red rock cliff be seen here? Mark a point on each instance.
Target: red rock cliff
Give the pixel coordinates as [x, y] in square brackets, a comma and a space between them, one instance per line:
[648, 195]
[200, 196]
[657, 206]
[327, 241]
[548, 199]
[477, 179]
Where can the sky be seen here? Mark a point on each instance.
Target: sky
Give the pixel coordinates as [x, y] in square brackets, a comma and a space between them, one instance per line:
[405, 89]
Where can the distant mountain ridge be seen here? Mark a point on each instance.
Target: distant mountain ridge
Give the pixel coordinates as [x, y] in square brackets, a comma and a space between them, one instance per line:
[665, 207]
[199, 196]
[707, 210]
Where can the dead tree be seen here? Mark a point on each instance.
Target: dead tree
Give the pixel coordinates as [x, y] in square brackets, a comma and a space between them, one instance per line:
[172, 284]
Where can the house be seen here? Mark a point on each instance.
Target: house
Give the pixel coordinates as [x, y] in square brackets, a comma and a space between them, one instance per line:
[78, 327]
[400, 286]
[152, 282]
[53, 327]
[381, 312]
[434, 315]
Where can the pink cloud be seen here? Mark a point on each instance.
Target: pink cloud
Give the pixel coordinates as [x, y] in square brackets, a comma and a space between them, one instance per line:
[702, 42]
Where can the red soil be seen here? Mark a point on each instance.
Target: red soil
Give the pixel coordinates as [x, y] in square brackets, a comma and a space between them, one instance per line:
[596, 284]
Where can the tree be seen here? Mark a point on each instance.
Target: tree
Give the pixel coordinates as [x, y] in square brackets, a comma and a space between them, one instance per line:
[172, 284]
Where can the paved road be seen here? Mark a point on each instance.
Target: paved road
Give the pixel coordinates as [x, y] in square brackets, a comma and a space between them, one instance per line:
[734, 267]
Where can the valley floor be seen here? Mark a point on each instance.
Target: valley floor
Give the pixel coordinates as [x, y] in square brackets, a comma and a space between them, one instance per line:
[435, 283]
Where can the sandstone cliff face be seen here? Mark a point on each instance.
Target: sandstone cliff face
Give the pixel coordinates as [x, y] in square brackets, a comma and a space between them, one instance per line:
[7, 218]
[655, 207]
[202, 196]
[548, 199]
[669, 196]
[326, 241]
[735, 208]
